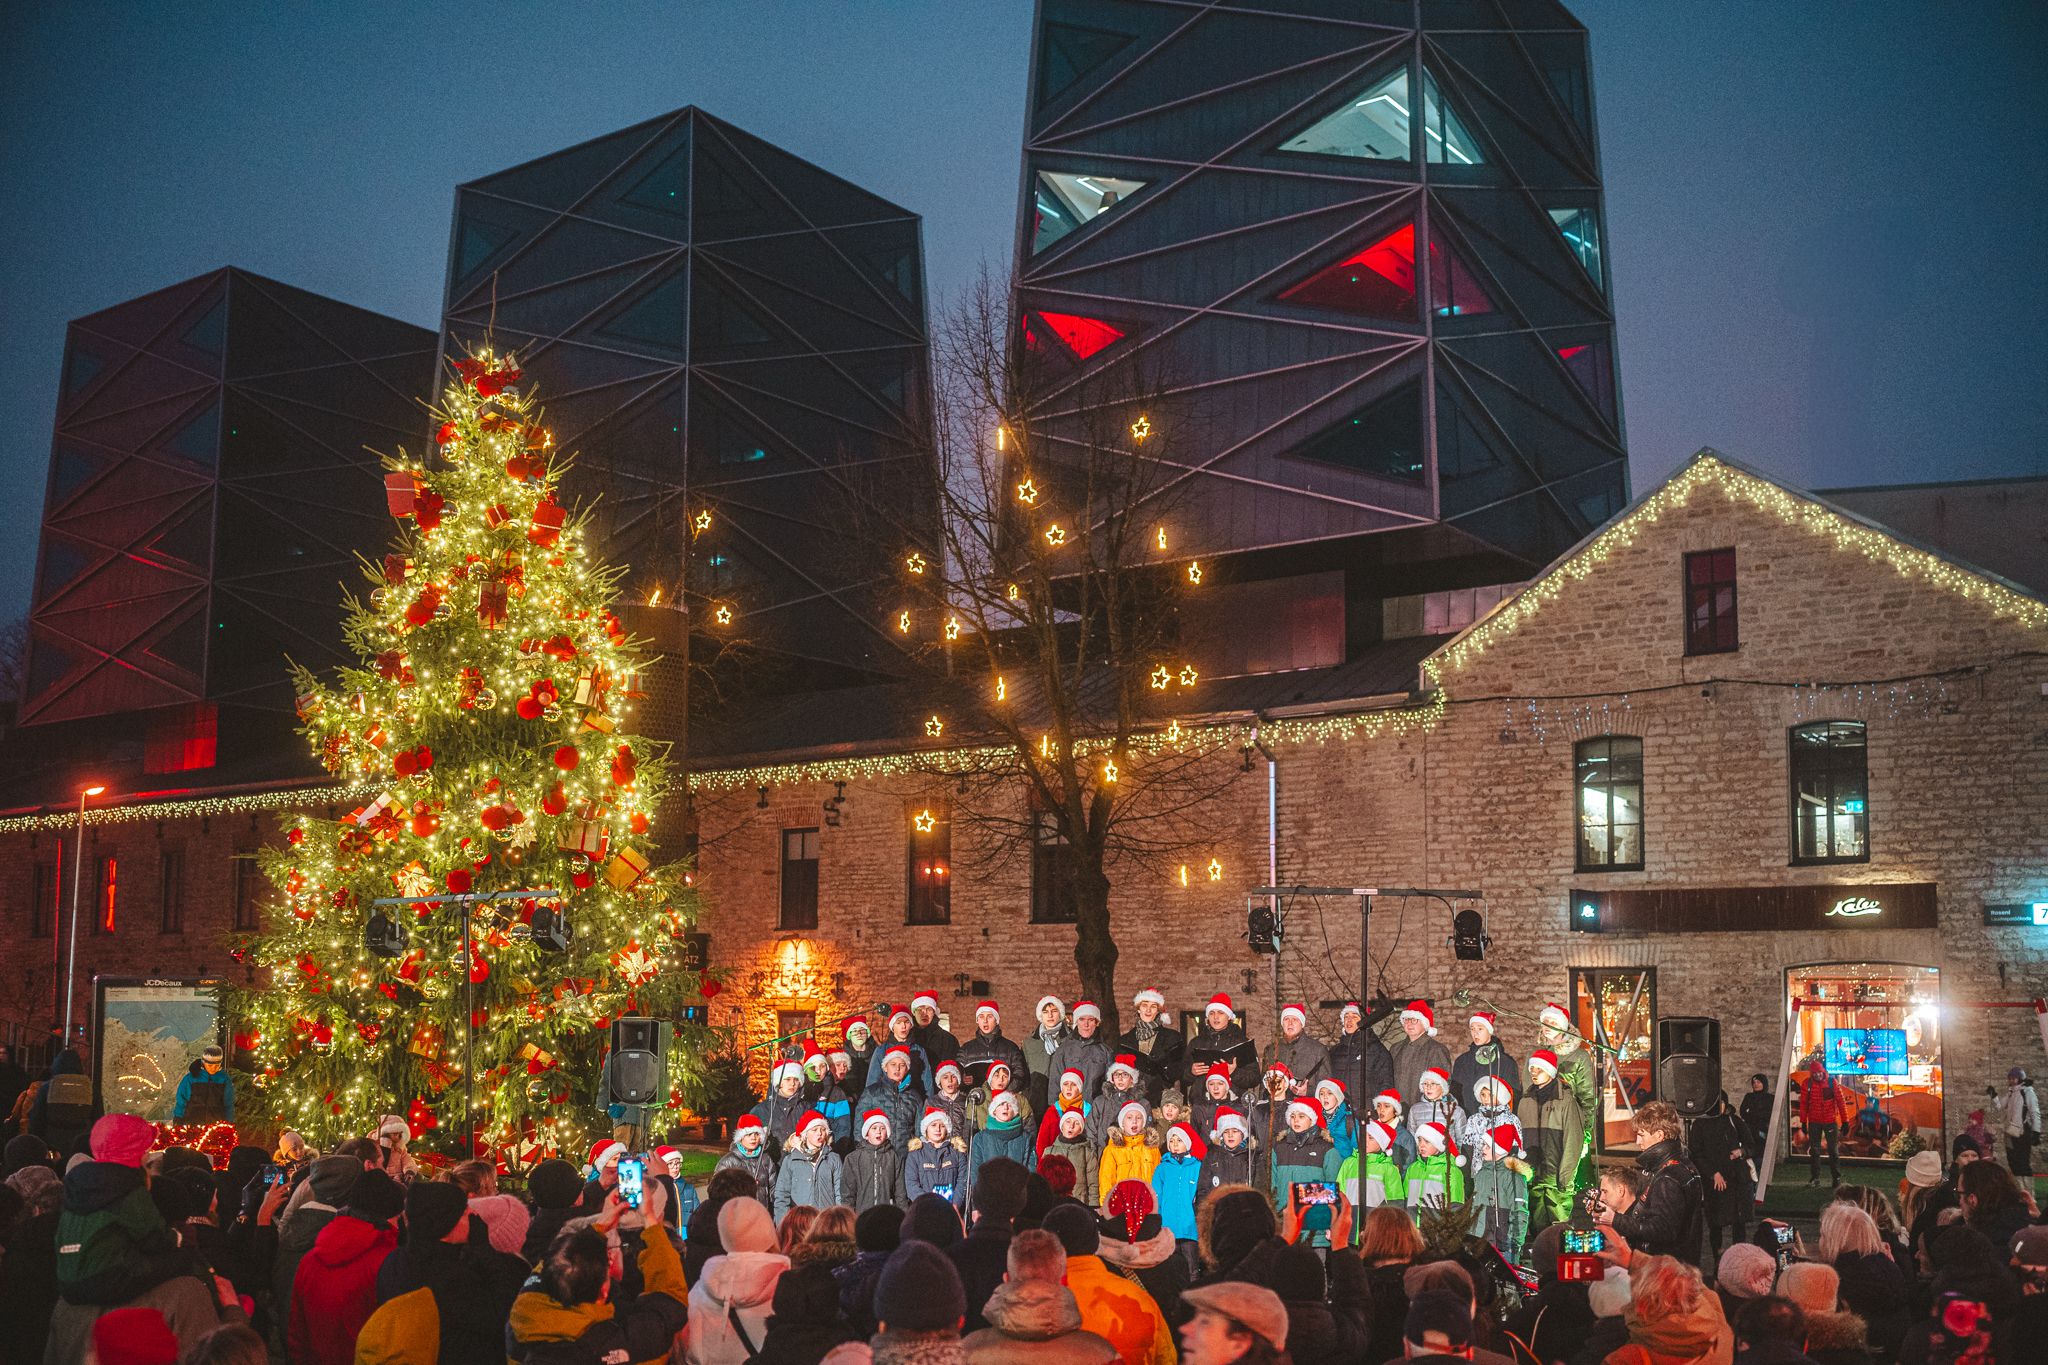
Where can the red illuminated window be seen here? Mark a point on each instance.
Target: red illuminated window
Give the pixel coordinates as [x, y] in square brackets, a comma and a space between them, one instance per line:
[1083, 336]
[182, 740]
[103, 895]
[1377, 282]
[930, 876]
[1710, 602]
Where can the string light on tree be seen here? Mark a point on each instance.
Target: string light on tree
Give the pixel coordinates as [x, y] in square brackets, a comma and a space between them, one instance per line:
[1002, 689]
[903, 622]
[1013, 592]
[1109, 770]
[1215, 869]
[1183, 874]
[1159, 537]
[1188, 675]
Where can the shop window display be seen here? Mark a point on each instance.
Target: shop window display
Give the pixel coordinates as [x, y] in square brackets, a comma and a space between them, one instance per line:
[1615, 1009]
[1877, 1028]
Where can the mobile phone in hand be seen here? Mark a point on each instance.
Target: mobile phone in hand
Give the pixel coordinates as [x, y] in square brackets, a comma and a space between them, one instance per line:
[632, 1180]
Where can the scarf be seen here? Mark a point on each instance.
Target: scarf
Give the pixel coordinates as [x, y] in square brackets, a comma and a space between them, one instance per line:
[1146, 1032]
[1049, 1038]
[1009, 1125]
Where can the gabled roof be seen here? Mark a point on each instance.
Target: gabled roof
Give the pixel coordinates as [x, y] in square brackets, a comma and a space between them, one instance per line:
[1710, 468]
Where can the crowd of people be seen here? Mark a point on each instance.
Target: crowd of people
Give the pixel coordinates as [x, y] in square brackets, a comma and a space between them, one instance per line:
[916, 1199]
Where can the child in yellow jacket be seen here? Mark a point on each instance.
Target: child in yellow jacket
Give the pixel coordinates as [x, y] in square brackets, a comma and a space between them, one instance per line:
[1132, 1151]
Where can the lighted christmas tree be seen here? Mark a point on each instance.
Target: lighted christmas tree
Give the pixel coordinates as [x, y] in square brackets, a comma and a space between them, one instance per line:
[490, 727]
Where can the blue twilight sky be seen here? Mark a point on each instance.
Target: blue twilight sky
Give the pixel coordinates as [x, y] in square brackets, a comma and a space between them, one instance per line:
[1827, 218]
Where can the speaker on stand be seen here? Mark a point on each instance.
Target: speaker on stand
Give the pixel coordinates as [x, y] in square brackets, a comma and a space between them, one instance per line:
[1689, 1067]
[635, 1075]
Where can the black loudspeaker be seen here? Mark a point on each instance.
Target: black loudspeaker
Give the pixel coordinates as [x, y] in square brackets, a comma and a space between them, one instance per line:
[551, 929]
[385, 934]
[1696, 1035]
[633, 1072]
[1690, 1083]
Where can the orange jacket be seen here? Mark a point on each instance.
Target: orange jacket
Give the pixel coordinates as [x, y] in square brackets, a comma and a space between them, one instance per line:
[1121, 1312]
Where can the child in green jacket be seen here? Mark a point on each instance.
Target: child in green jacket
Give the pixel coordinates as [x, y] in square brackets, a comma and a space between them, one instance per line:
[1436, 1178]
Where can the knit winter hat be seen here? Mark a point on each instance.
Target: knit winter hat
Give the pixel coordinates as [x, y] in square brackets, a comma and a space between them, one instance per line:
[1746, 1271]
[1076, 1228]
[554, 1183]
[1126, 1063]
[1087, 1009]
[1227, 1118]
[506, 1219]
[1298, 1013]
[432, 1209]
[1608, 1296]
[1149, 996]
[1811, 1285]
[121, 1139]
[1923, 1169]
[1421, 1013]
[1545, 1061]
[376, 1197]
[744, 1225]
[929, 999]
[919, 1290]
[134, 1336]
[1059, 1174]
[932, 1218]
[878, 1229]
[872, 1119]
[1380, 1133]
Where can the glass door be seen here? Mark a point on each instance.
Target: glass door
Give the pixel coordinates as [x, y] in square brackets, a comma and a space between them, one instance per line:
[1615, 1009]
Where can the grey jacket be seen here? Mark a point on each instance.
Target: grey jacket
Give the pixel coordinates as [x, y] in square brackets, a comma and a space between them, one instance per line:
[1090, 1056]
[1033, 1322]
[1411, 1059]
[812, 1178]
[1308, 1059]
[870, 1176]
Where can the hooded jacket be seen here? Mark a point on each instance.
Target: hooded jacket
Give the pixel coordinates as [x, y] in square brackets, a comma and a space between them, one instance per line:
[1039, 1051]
[870, 1175]
[1701, 1337]
[1035, 1322]
[542, 1330]
[813, 1178]
[1384, 1183]
[1225, 1167]
[904, 1105]
[1013, 1142]
[111, 1242]
[1474, 1064]
[1666, 1221]
[1176, 1187]
[1103, 1109]
[978, 1102]
[739, 1284]
[983, 1050]
[807, 1321]
[937, 1044]
[335, 1290]
[955, 1106]
[1127, 1157]
[1087, 1167]
[779, 1114]
[1227, 1044]
[835, 1102]
[442, 1303]
[200, 1096]
[1302, 1158]
[1121, 1312]
[940, 1170]
[1553, 1131]
[1153, 1260]
[761, 1166]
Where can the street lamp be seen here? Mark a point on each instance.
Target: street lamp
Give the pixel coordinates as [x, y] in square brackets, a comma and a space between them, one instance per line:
[77, 877]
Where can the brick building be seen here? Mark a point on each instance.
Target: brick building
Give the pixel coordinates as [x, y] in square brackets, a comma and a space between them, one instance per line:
[1701, 765]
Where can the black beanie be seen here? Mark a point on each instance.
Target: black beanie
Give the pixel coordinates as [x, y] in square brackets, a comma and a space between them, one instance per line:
[375, 1198]
[919, 1290]
[1240, 1221]
[999, 1188]
[555, 1184]
[1296, 1275]
[432, 1209]
[24, 1149]
[878, 1229]
[932, 1218]
[1074, 1225]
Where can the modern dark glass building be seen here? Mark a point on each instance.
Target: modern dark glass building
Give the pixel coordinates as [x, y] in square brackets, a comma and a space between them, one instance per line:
[1364, 240]
[715, 324]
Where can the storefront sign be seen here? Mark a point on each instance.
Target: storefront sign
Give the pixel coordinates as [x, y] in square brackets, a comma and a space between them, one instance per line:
[1705, 910]
[2027, 914]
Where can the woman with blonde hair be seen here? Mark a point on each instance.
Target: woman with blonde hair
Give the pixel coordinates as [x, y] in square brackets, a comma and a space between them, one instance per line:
[829, 1242]
[1873, 1285]
[1672, 1317]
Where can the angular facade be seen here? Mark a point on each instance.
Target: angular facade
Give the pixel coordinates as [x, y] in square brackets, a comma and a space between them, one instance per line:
[211, 481]
[714, 324]
[1364, 239]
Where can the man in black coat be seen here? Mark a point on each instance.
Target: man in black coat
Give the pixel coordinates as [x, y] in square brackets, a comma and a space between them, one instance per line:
[1359, 1060]
[1220, 1039]
[987, 1047]
[926, 1031]
[1666, 1220]
[1157, 1049]
[983, 1256]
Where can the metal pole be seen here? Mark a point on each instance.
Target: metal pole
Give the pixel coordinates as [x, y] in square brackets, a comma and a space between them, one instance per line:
[469, 1022]
[71, 966]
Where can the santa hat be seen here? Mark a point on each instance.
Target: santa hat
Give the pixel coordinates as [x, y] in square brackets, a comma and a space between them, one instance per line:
[784, 1069]
[1436, 1134]
[860, 1024]
[1483, 1017]
[1279, 1069]
[1507, 1137]
[838, 1055]
[1437, 1074]
[1004, 1067]
[1077, 1115]
[1333, 1083]
[990, 1006]
[1148, 994]
[811, 1116]
[1227, 1118]
[1497, 1083]
[1125, 1062]
[929, 999]
[1132, 1201]
[1196, 1147]
[1544, 1060]
[1351, 1007]
[873, 1117]
[932, 1111]
[1220, 1001]
[1088, 1009]
[1383, 1132]
[1554, 1016]
[1222, 1069]
[1391, 1096]
[1307, 1106]
[1052, 1000]
[1075, 1072]
[605, 1151]
[663, 1153]
[1295, 1012]
[896, 1050]
[1008, 1097]
[900, 1012]
[1128, 1106]
[1421, 1013]
[814, 1058]
[747, 1123]
[943, 1067]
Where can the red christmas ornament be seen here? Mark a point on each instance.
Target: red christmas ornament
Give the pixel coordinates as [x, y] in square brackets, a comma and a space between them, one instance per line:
[420, 1119]
[710, 989]
[529, 708]
[424, 820]
[446, 435]
[624, 766]
[555, 802]
[404, 764]
[581, 880]
[296, 837]
[567, 757]
[561, 647]
[479, 967]
[638, 822]
[426, 510]
[459, 881]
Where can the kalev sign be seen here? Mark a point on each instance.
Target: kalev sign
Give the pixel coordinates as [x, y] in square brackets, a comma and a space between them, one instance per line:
[1854, 907]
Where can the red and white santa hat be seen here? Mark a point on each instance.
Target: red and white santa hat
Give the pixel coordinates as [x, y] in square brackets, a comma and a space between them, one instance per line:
[1329, 1083]
[1435, 1134]
[1381, 1133]
[943, 1067]
[1045, 1000]
[605, 1151]
[1434, 1073]
[784, 1069]
[1222, 1069]
[1421, 1013]
[1507, 1137]
[748, 1123]
[1004, 1067]
[1079, 1117]
[896, 1050]
[1351, 1007]
[1073, 1073]
[1554, 1015]
[1389, 1096]
[1196, 1147]
[839, 1054]
[929, 999]
[664, 1152]
[987, 1007]
[1307, 1106]
[813, 1058]
[1279, 1068]
[1125, 1109]
[872, 1118]
[1485, 1019]
[1499, 1083]
[1088, 1009]
[1003, 1099]
[1296, 1012]
[900, 1012]
[1127, 1063]
[1149, 996]
[932, 1111]
[1227, 1118]
[1220, 1001]
[810, 1119]
[1545, 1061]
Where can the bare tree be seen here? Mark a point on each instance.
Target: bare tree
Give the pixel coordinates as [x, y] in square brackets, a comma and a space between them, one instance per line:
[1043, 612]
[14, 660]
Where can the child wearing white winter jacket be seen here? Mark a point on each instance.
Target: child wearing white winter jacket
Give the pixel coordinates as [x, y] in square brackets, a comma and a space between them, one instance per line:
[1437, 1104]
[1497, 1110]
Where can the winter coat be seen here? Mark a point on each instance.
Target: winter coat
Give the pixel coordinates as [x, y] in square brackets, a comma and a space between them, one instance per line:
[1755, 1110]
[294, 1239]
[336, 1290]
[1128, 1157]
[1553, 1132]
[2020, 1107]
[866, 1064]
[1364, 1066]
[1479, 1061]
[870, 1175]
[1383, 1182]
[1434, 1181]
[760, 1165]
[1701, 1337]
[812, 1178]
[981, 1051]
[1302, 1158]
[1225, 1167]
[188, 1303]
[112, 1243]
[1307, 1059]
[1087, 1167]
[1121, 1312]
[940, 1170]
[1477, 1130]
[1032, 1322]
[1102, 1111]
[1446, 1111]
[1411, 1059]
[1821, 1100]
[1154, 1261]
[806, 1322]
[1840, 1339]
[739, 1284]
[977, 1109]
[202, 1098]
[1049, 1122]
[836, 1104]
[1045, 1077]
[938, 1046]
[904, 1104]
[920, 1076]
[1227, 1044]
[1875, 1289]
[779, 1114]
[1161, 1058]
[1714, 1137]
[1332, 1331]
[1343, 1129]
[1500, 1205]
[901, 1348]
[1176, 1186]
[1013, 1142]
[1090, 1056]
[442, 1303]
[857, 1290]
[1202, 1111]
[1666, 1220]
[954, 1106]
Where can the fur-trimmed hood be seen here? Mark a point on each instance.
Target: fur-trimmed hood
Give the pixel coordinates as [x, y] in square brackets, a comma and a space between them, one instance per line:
[1836, 1332]
[1205, 1220]
[958, 1144]
[917, 1348]
[1154, 1250]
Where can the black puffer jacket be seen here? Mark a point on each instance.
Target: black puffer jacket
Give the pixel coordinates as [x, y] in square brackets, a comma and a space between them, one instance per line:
[1666, 1221]
[983, 1050]
[1362, 1064]
[807, 1321]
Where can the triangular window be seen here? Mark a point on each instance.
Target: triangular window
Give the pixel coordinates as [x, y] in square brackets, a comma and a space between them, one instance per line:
[48, 664]
[898, 267]
[1063, 201]
[1067, 53]
[81, 367]
[210, 332]
[1383, 439]
[1444, 139]
[62, 562]
[1453, 292]
[1377, 282]
[199, 439]
[1083, 336]
[666, 188]
[730, 442]
[724, 320]
[1591, 365]
[660, 317]
[476, 242]
[184, 645]
[1372, 127]
[72, 470]
[1463, 451]
[1581, 232]
[189, 540]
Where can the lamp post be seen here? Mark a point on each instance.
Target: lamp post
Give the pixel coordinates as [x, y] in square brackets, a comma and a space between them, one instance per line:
[77, 877]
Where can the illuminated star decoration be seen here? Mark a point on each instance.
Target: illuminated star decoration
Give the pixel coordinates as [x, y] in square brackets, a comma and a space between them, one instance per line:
[1159, 537]
[1160, 678]
[1014, 592]
[1056, 534]
[1141, 428]
[723, 615]
[1215, 869]
[925, 821]
[1183, 874]
[903, 622]
[702, 521]
[915, 563]
[1045, 746]
[1188, 676]
[1109, 770]
[1027, 493]
[1194, 571]
[952, 627]
[934, 727]
[1173, 732]
[1002, 690]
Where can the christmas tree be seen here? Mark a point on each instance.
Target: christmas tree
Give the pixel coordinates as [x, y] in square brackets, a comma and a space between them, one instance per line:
[489, 727]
